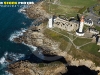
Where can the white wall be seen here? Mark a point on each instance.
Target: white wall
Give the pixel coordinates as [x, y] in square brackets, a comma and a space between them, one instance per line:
[50, 23]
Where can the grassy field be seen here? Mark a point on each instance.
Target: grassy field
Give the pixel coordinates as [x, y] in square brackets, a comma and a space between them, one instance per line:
[69, 7]
[81, 54]
[81, 41]
[57, 37]
[86, 3]
[97, 10]
[64, 33]
[97, 27]
[92, 48]
[89, 51]
[60, 10]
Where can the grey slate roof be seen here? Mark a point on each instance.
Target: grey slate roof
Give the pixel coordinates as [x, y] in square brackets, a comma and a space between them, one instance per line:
[88, 21]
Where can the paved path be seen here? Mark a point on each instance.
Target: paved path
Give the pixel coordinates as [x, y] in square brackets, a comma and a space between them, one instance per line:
[84, 44]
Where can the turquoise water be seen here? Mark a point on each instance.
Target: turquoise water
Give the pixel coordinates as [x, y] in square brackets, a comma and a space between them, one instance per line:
[10, 21]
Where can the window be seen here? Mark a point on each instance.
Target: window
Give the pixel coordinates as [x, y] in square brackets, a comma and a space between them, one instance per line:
[63, 24]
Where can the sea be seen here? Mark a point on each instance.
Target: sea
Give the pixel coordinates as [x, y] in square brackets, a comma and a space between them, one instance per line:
[12, 24]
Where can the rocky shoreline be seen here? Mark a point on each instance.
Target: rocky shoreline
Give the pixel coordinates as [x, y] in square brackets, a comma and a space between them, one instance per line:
[35, 36]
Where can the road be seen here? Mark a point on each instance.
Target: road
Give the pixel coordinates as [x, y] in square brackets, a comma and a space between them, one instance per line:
[93, 15]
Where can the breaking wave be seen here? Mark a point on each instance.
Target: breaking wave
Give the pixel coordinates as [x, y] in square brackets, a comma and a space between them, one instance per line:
[11, 56]
[22, 10]
[16, 34]
[3, 59]
[7, 73]
[15, 56]
[35, 51]
[33, 48]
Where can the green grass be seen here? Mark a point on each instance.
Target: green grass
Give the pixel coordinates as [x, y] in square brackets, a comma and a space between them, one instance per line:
[64, 33]
[85, 27]
[57, 37]
[86, 3]
[97, 10]
[69, 7]
[89, 51]
[97, 27]
[82, 10]
[63, 10]
[92, 48]
[80, 41]
[81, 54]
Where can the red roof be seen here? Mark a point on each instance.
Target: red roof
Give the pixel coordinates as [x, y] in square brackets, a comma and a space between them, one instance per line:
[82, 19]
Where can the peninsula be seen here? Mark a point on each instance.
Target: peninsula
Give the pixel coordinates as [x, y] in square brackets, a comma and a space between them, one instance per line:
[68, 43]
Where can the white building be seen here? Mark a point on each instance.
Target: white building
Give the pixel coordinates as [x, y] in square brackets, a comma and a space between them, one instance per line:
[88, 22]
[93, 31]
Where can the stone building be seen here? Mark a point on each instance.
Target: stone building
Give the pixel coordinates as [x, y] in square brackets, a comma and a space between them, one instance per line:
[88, 22]
[65, 24]
[93, 31]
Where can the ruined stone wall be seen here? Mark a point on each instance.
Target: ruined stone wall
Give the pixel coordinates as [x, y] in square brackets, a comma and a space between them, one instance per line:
[65, 25]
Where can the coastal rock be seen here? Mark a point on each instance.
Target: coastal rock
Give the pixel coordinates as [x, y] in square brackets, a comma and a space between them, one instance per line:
[34, 36]
[27, 68]
[36, 12]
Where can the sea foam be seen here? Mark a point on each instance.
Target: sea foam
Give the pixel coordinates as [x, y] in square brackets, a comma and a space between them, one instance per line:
[16, 56]
[22, 10]
[16, 34]
[3, 62]
[3, 58]
[35, 51]
[11, 56]
[33, 48]
[7, 73]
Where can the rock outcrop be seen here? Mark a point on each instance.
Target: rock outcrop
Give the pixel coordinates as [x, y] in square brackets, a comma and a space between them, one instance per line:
[27, 68]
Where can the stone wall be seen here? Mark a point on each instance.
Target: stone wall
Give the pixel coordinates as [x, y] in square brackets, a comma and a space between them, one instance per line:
[65, 25]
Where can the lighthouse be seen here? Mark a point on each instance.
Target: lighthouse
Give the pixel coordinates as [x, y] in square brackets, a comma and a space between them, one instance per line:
[50, 22]
[80, 31]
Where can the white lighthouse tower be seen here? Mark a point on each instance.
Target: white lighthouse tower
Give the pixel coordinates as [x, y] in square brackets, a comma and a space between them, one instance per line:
[50, 22]
[80, 31]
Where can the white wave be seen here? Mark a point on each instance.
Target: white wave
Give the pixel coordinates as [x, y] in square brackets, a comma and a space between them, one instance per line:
[7, 73]
[15, 56]
[33, 48]
[22, 10]
[5, 54]
[23, 30]
[11, 56]
[16, 34]
[2, 60]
